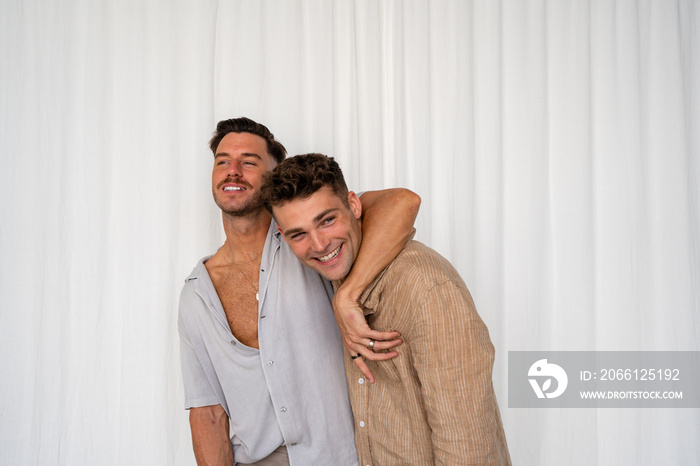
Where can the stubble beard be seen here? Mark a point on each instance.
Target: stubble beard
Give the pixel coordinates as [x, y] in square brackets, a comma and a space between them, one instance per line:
[253, 206]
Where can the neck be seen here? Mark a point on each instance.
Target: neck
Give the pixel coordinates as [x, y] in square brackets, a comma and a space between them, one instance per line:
[245, 236]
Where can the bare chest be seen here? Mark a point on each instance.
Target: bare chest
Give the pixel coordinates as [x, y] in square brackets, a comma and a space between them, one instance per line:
[237, 290]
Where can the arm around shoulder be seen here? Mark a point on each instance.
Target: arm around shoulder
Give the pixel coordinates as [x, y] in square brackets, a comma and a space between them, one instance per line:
[387, 225]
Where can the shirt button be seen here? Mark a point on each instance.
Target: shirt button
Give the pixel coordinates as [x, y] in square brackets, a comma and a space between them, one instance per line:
[362, 423]
[269, 363]
[293, 444]
[283, 409]
[361, 381]
[233, 342]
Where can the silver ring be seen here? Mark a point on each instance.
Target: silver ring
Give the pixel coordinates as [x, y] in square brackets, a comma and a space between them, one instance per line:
[371, 345]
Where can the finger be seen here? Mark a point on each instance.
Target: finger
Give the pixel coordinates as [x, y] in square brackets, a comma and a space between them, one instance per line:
[372, 356]
[383, 345]
[369, 334]
[360, 363]
[369, 354]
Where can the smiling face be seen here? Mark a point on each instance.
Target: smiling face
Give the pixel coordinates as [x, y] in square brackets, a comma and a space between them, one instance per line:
[241, 160]
[323, 232]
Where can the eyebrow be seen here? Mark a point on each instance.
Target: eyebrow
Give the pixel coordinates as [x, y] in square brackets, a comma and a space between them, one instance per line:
[244, 154]
[316, 219]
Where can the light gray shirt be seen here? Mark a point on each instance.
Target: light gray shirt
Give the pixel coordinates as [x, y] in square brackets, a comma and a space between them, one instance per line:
[292, 390]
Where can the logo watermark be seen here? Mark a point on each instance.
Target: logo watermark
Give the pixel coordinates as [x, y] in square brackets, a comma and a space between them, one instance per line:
[550, 372]
[604, 379]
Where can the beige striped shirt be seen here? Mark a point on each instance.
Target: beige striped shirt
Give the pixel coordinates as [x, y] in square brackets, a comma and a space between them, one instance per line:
[434, 403]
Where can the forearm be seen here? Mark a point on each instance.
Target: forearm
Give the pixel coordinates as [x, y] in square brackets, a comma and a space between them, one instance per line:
[387, 224]
[210, 436]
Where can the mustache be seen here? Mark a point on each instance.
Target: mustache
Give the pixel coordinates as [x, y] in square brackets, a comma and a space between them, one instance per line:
[233, 180]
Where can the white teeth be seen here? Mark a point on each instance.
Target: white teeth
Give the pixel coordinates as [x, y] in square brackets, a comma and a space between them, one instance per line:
[233, 188]
[330, 255]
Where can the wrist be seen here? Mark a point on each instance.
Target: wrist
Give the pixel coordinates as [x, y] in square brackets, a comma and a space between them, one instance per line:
[347, 292]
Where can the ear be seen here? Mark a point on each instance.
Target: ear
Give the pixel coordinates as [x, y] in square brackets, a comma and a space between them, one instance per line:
[355, 204]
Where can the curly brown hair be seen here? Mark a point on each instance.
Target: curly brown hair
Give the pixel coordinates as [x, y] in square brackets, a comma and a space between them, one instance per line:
[301, 176]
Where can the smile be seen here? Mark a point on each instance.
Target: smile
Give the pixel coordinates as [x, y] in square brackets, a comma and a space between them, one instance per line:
[234, 188]
[331, 255]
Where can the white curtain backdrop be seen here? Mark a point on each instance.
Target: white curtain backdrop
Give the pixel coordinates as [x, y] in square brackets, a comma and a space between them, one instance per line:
[555, 145]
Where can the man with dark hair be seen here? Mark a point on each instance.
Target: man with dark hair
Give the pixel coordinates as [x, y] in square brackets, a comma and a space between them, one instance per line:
[435, 403]
[260, 350]
[246, 125]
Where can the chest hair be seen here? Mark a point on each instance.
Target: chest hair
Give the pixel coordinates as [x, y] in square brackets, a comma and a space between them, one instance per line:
[236, 287]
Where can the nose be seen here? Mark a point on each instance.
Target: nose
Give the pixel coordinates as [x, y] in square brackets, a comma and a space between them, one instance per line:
[234, 169]
[319, 242]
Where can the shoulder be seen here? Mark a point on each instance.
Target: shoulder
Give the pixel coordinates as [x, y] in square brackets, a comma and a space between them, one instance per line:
[435, 290]
[199, 269]
[194, 280]
[423, 267]
[417, 273]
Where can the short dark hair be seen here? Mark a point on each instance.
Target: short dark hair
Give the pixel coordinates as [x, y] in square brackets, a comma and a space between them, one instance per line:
[246, 125]
[301, 176]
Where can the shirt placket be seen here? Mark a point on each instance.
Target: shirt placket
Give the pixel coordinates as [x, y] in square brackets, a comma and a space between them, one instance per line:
[284, 411]
[362, 421]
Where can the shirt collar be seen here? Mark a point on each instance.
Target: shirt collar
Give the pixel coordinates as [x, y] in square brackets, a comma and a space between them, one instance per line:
[197, 271]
